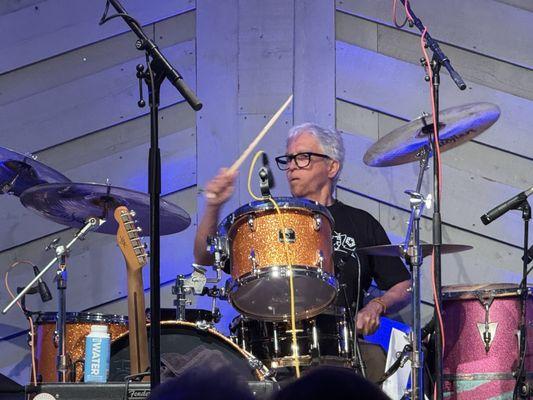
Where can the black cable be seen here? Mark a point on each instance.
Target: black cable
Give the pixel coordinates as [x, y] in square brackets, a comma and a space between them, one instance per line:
[105, 18]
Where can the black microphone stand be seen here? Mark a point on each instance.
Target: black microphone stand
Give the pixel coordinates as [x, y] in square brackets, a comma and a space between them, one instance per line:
[158, 69]
[438, 60]
[522, 388]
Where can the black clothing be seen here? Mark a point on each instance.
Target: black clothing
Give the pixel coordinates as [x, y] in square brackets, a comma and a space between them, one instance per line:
[355, 228]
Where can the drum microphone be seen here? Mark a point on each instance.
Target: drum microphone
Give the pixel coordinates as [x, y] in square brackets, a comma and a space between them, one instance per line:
[44, 292]
[507, 205]
[267, 179]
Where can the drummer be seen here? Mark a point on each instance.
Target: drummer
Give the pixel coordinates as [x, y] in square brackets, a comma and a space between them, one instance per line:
[313, 162]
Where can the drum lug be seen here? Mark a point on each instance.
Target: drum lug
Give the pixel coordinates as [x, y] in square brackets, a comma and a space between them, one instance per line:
[253, 259]
[319, 262]
[251, 222]
[317, 222]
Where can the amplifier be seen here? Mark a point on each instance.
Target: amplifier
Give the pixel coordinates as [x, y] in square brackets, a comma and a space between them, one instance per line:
[119, 391]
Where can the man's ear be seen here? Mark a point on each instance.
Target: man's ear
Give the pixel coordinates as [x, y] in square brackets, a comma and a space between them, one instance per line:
[333, 170]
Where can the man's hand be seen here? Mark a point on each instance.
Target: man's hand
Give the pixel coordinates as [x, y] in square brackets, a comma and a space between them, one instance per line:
[219, 189]
[368, 318]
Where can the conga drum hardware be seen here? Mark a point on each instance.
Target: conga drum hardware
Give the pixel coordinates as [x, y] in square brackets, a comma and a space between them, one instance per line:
[487, 329]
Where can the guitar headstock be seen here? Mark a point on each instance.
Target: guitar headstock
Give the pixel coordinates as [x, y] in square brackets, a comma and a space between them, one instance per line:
[128, 239]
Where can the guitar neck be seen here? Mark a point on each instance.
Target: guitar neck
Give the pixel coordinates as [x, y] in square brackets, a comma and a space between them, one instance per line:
[139, 359]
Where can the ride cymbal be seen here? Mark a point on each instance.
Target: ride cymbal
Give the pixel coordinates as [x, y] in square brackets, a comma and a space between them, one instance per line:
[71, 204]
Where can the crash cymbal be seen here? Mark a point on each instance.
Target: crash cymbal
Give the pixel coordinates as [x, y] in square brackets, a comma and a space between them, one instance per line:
[396, 250]
[72, 204]
[19, 172]
[457, 125]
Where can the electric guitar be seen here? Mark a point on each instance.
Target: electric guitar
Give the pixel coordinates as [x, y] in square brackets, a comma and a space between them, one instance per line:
[135, 255]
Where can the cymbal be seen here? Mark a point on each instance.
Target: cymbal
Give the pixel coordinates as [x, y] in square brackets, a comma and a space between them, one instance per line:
[71, 204]
[396, 250]
[457, 125]
[19, 172]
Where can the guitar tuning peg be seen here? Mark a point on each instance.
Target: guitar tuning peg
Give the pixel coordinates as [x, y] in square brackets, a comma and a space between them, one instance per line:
[139, 229]
[133, 214]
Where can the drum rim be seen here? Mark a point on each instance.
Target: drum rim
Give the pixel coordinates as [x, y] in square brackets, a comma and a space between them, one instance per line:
[285, 203]
[83, 316]
[261, 371]
[298, 269]
[481, 290]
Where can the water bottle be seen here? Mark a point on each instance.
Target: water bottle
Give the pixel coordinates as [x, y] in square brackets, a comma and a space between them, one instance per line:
[97, 346]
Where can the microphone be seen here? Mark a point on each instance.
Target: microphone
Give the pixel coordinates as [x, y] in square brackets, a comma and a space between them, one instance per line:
[43, 287]
[267, 179]
[510, 204]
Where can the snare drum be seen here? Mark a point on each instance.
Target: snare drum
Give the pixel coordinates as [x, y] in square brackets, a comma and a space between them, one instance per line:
[324, 339]
[179, 338]
[259, 287]
[78, 326]
[481, 326]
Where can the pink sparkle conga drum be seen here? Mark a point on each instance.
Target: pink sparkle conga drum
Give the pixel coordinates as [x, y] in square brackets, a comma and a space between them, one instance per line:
[481, 324]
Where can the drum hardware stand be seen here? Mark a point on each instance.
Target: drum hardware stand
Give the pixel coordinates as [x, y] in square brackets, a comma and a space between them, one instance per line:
[194, 284]
[401, 358]
[413, 256]
[61, 277]
[438, 60]
[523, 388]
[358, 364]
[158, 69]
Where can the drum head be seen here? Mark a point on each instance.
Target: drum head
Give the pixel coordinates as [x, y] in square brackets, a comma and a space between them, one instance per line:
[312, 294]
[183, 345]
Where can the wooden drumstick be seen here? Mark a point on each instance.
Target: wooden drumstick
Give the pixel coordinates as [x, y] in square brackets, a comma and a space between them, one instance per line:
[263, 132]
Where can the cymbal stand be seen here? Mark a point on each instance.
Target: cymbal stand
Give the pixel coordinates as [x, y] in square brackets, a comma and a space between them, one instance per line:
[61, 276]
[413, 255]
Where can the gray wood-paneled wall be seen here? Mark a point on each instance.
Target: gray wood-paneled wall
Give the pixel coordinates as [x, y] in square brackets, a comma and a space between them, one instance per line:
[68, 93]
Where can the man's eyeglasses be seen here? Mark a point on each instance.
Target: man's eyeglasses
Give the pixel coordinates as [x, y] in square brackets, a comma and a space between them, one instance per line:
[302, 160]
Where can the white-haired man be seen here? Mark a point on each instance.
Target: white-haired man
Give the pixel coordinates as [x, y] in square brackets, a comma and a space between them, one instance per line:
[313, 162]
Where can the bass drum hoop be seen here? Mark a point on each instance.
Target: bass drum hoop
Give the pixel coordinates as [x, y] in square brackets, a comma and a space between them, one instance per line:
[85, 317]
[260, 371]
[494, 290]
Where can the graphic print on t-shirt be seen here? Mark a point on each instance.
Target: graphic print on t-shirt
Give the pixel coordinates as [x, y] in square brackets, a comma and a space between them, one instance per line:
[344, 244]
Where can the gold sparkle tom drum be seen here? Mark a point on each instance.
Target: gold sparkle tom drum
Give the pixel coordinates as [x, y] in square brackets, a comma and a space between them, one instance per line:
[257, 243]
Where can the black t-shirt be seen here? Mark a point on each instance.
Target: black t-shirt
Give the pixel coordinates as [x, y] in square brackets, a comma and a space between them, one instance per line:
[355, 228]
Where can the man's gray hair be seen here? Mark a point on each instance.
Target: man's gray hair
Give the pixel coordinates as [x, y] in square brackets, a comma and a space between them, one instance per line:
[330, 140]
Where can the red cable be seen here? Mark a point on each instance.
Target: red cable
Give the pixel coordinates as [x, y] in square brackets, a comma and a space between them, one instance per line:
[437, 160]
[439, 189]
